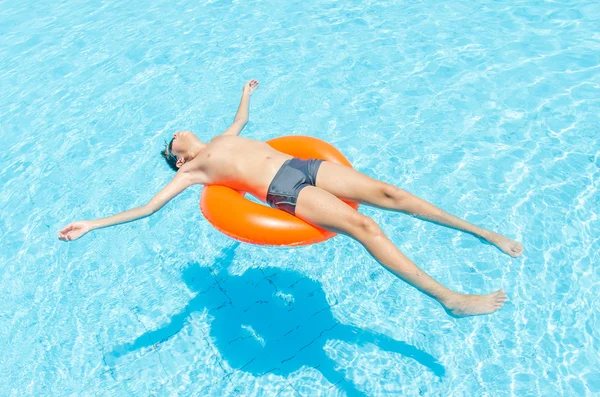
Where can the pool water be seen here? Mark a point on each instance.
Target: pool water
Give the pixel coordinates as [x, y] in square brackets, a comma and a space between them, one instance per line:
[488, 109]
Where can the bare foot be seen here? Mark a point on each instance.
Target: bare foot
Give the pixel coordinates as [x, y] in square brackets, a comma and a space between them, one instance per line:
[474, 305]
[506, 245]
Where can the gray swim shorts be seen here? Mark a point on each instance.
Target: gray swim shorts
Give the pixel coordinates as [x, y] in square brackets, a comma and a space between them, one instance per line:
[294, 175]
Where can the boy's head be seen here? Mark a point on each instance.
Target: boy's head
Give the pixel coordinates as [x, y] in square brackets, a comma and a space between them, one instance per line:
[183, 147]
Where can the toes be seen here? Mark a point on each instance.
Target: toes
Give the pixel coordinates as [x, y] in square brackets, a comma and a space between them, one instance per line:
[517, 247]
[515, 251]
[498, 303]
[498, 299]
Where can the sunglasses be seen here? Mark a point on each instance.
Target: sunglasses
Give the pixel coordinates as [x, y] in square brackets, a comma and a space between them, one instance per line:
[169, 148]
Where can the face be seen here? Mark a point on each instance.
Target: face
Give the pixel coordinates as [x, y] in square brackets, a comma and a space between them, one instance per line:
[182, 145]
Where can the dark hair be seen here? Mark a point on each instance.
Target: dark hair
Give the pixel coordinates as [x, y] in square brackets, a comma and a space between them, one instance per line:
[168, 156]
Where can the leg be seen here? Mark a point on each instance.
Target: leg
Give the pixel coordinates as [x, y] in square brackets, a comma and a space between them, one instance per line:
[349, 184]
[323, 209]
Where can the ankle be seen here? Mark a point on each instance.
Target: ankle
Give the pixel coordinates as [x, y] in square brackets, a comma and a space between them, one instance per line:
[449, 298]
[486, 235]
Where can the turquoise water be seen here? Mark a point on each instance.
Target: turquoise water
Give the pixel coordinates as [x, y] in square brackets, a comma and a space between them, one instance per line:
[489, 110]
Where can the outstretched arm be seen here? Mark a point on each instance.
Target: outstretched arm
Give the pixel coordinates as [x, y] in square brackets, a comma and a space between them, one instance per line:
[241, 117]
[179, 183]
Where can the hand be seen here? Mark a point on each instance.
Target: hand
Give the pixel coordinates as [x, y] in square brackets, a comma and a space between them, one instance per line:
[74, 230]
[250, 86]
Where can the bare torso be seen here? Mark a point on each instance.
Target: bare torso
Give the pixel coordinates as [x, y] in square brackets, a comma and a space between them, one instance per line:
[236, 162]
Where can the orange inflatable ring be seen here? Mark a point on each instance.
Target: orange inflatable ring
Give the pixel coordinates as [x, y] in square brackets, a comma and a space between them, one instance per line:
[232, 214]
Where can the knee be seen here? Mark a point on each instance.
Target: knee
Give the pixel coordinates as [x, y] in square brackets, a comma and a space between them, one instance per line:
[363, 225]
[391, 193]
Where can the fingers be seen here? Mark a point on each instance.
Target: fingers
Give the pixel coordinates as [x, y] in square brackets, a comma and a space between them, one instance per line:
[67, 237]
[64, 233]
[67, 228]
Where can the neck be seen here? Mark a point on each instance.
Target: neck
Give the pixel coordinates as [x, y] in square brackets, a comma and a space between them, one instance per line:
[195, 151]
